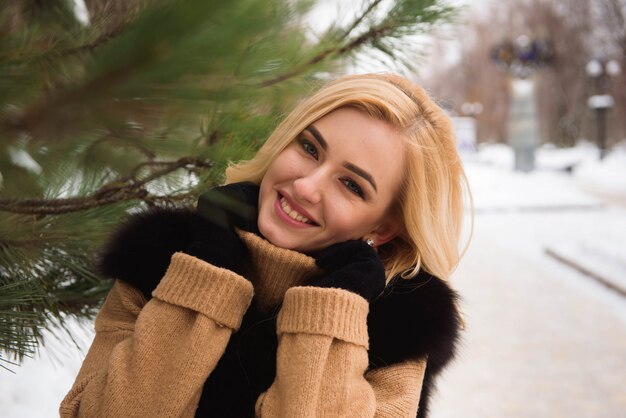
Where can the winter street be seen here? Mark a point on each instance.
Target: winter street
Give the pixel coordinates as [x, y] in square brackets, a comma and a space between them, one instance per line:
[253, 178]
[541, 340]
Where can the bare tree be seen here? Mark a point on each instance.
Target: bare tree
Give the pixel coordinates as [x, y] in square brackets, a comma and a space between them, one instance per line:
[577, 30]
[562, 88]
[473, 78]
[610, 24]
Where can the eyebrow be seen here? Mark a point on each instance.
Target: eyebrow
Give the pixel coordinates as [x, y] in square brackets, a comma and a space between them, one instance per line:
[362, 173]
[357, 170]
[313, 131]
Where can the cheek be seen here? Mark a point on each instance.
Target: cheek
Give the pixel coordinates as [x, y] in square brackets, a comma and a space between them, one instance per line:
[346, 222]
[353, 221]
[286, 166]
[274, 174]
[283, 169]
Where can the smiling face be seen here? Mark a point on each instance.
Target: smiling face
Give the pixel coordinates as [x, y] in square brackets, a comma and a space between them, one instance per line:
[334, 182]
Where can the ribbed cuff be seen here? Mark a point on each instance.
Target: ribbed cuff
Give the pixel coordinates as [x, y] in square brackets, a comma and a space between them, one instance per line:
[215, 292]
[333, 312]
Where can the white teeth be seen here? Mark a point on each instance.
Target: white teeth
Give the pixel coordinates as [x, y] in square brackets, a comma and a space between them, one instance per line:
[292, 213]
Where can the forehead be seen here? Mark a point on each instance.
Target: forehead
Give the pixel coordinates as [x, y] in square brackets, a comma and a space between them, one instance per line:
[355, 137]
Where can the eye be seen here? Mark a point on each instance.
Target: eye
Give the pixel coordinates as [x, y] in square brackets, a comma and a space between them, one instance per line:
[353, 187]
[308, 147]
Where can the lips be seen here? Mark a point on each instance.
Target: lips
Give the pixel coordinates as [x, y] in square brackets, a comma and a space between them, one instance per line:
[294, 212]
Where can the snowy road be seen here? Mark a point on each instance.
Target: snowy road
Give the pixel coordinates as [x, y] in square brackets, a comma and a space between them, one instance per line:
[542, 340]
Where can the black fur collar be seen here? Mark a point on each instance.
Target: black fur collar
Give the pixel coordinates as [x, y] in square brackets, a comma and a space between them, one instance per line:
[412, 319]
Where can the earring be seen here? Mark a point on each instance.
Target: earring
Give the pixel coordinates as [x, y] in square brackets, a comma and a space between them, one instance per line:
[369, 242]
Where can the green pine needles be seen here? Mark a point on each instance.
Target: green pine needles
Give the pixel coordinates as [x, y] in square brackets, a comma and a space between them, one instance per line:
[99, 120]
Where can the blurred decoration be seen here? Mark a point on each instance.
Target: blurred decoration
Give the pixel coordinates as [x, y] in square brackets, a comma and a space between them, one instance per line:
[601, 71]
[472, 109]
[142, 103]
[465, 126]
[522, 56]
[465, 133]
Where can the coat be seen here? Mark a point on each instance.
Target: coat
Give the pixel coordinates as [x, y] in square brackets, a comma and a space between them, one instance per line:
[178, 336]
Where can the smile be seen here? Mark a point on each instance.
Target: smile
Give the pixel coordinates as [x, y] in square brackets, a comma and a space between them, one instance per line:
[289, 214]
[292, 213]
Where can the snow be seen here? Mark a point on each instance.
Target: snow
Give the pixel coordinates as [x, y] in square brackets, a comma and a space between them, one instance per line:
[573, 204]
[606, 178]
[572, 183]
[36, 388]
[81, 12]
[542, 339]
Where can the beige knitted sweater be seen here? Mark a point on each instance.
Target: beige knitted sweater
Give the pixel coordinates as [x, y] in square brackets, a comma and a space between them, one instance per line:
[151, 358]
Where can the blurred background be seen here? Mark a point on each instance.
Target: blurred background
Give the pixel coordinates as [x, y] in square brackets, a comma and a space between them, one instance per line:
[109, 107]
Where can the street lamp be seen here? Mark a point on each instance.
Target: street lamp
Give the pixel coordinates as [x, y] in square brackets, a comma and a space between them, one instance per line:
[521, 58]
[600, 102]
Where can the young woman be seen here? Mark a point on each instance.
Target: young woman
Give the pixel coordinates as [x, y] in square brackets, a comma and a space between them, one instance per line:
[313, 284]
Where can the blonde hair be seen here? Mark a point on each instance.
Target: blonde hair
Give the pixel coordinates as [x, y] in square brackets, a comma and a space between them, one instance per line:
[430, 198]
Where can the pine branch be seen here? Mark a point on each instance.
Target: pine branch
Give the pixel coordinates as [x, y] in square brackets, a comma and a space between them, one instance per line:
[148, 153]
[123, 189]
[91, 46]
[18, 322]
[368, 37]
[395, 24]
[28, 119]
[327, 53]
[362, 17]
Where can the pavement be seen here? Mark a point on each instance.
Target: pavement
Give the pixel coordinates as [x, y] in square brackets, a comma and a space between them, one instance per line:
[541, 339]
[593, 241]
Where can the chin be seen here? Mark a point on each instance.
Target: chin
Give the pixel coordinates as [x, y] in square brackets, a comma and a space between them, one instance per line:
[288, 243]
[276, 238]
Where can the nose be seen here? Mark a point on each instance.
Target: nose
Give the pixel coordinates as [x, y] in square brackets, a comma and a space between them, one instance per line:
[308, 188]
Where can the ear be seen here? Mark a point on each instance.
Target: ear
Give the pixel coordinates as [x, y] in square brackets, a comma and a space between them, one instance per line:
[385, 232]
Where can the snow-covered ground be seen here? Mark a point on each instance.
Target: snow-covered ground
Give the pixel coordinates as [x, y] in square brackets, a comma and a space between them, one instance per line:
[573, 206]
[37, 387]
[542, 339]
[572, 183]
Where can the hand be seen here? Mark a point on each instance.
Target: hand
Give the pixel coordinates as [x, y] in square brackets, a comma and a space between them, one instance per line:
[351, 265]
[215, 244]
[219, 211]
[234, 204]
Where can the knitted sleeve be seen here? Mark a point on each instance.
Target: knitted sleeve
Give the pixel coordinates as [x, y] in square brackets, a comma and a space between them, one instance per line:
[151, 359]
[322, 362]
